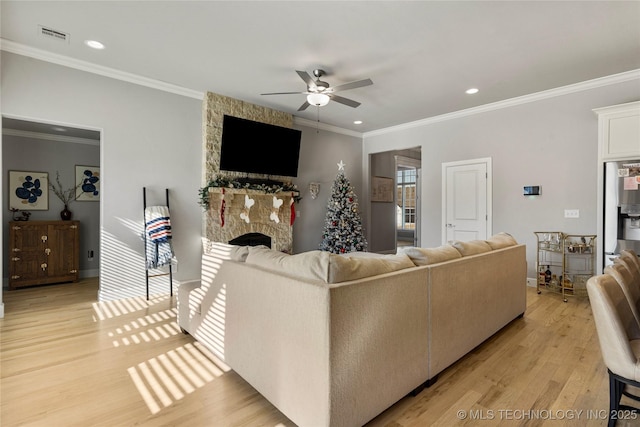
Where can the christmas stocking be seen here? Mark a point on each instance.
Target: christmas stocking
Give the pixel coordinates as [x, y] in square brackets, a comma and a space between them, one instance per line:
[248, 203]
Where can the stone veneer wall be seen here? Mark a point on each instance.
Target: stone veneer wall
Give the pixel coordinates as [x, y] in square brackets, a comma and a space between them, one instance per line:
[214, 108]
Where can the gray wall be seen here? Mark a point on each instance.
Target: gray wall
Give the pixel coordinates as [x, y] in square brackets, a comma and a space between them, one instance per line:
[551, 142]
[320, 151]
[153, 138]
[28, 154]
[150, 138]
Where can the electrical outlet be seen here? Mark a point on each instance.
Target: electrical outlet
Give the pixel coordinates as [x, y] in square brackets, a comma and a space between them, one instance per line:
[572, 213]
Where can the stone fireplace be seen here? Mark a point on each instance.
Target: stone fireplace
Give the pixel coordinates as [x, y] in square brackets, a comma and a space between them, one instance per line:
[264, 215]
[250, 212]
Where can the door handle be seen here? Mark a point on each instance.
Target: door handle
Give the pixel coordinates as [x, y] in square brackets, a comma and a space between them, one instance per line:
[450, 226]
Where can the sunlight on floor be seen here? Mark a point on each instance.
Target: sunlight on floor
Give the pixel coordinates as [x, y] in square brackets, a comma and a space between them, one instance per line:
[152, 327]
[171, 376]
[114, 308]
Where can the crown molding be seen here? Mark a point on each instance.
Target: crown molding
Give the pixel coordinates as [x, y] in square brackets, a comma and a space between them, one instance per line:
[525, 99]
[21, 49]
[43, 55]
[49, 137]
[324, 126]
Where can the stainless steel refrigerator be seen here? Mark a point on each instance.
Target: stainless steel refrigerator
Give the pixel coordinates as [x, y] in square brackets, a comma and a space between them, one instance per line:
[621, 208]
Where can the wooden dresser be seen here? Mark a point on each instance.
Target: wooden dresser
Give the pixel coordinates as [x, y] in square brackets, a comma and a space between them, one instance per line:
[43, 252]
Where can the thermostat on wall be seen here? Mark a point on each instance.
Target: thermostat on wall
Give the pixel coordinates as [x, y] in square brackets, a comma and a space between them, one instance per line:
[532, 190]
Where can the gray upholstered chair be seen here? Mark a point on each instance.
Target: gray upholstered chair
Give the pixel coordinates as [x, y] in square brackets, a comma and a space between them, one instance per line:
[631, 289]
[618, 334]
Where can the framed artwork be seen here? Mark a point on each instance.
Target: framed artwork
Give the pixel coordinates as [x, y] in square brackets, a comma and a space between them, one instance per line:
[381, 189]
[29, 191]
[89, 179]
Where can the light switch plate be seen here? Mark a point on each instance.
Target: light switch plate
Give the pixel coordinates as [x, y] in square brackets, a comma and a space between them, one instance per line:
[572, 213]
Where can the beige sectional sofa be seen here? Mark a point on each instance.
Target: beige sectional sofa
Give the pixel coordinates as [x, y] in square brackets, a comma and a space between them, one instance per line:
[334, 340]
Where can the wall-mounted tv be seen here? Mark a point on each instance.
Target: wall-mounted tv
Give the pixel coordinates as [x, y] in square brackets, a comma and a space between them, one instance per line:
[254, 147]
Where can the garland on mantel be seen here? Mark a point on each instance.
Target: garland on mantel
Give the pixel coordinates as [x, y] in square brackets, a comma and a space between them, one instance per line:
[228, 182]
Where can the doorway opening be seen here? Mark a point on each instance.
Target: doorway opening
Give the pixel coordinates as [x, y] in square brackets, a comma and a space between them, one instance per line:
[407, 206]
[60, 152]
[403, 207]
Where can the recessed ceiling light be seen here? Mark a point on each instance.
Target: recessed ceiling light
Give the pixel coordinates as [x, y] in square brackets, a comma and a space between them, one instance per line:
[471, 91]
[357, 122]
[58, 129]
[94, 44]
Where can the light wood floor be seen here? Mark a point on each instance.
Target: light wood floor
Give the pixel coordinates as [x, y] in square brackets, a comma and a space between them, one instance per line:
[67, 360]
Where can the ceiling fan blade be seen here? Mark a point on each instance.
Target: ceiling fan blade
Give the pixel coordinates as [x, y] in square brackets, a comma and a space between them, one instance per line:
[282, 93]
[353, 85]
[304, 106]
[307, 78]
[345, 101]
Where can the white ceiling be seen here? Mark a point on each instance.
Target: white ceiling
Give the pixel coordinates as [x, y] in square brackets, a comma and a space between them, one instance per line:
[421, 55]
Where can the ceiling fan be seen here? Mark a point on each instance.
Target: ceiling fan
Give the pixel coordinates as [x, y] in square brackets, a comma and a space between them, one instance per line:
[319, 93]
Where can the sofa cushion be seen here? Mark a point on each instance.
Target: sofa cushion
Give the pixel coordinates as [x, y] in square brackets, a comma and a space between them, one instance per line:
[427, 256]
[227, 251]
[501, 240]
[343, 268]
[362, 254]
[312, 265]
[472, 247]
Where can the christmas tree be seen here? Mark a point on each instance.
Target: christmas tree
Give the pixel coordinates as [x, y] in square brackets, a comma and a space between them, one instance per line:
[343, 226]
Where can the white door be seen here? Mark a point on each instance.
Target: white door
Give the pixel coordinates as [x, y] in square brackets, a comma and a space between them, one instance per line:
[466, 203]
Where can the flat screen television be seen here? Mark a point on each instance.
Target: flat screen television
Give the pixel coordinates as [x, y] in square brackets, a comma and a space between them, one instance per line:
[254, 147]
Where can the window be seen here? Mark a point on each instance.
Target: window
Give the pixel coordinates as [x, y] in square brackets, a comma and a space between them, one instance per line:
[406, 197]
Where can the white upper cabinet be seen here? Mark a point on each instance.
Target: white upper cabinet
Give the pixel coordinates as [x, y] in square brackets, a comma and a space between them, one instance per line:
[619, 131]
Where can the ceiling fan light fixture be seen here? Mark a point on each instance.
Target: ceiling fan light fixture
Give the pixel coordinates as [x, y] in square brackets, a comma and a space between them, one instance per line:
[318, 99]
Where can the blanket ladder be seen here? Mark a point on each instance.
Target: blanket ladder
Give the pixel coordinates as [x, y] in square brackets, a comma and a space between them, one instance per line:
[144, 232]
